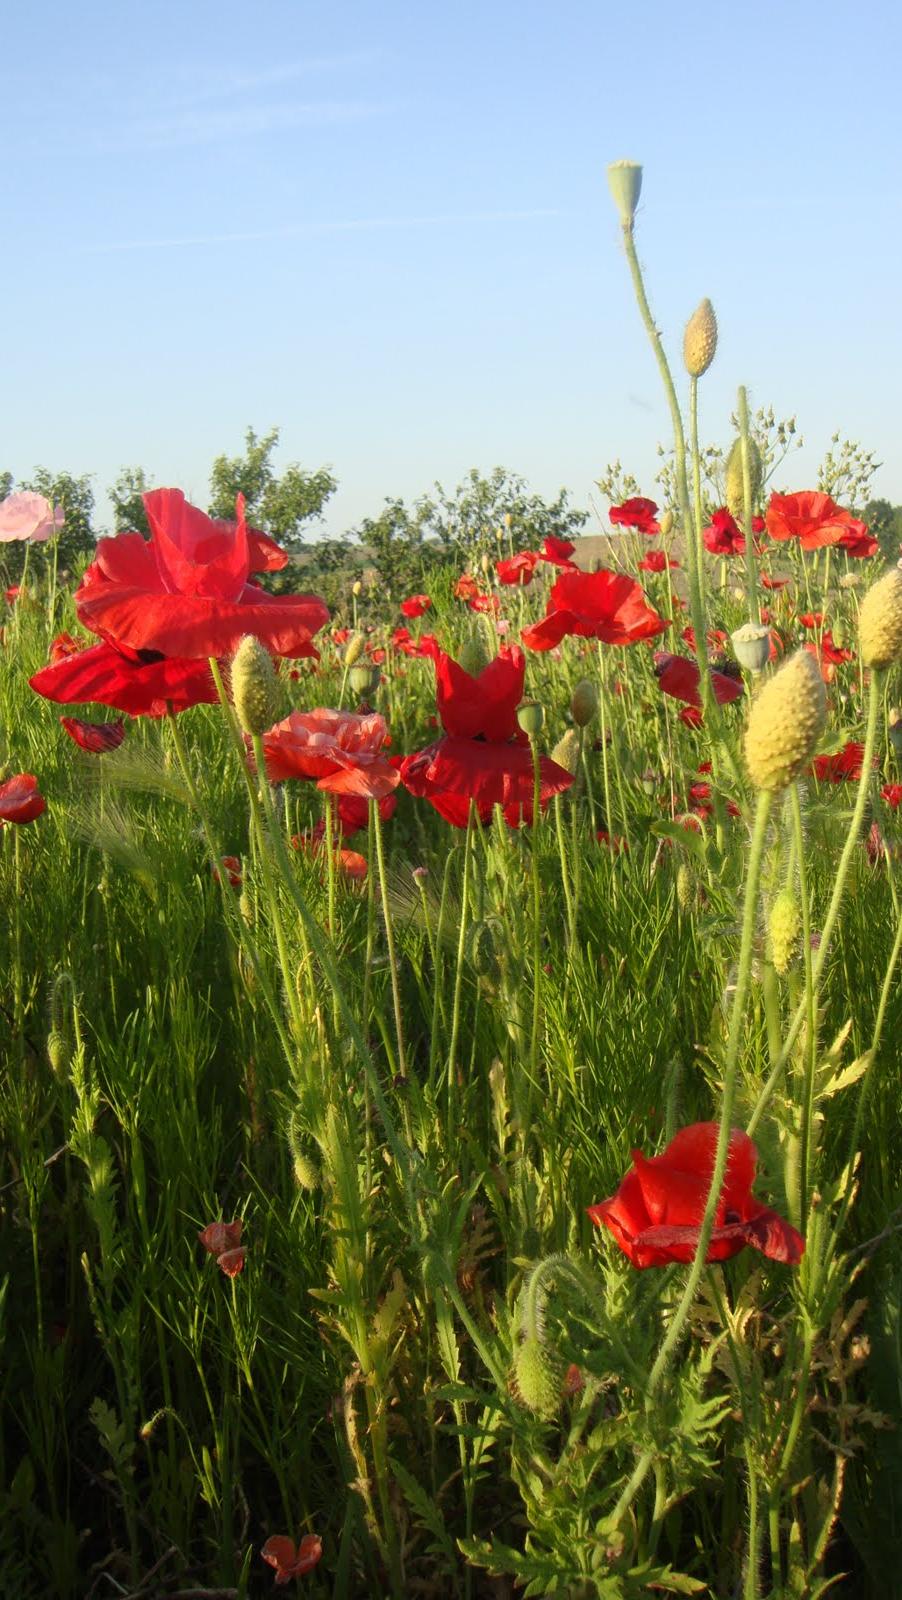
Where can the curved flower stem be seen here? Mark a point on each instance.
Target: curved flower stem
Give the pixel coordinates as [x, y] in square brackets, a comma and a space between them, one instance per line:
[829, 923]
[811, 1011]
[709, 704]
[459, 969]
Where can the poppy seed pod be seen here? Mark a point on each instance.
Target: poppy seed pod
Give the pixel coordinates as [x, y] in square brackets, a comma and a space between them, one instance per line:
[700, 340]
[880, 621]
[536, 1382]
[625, 184]
[354, 649]
[785, 723]
[734, 492]
[784, 926]
[752, 645]
[584, 703]
[365, 678]
[531, 717]
[473, 656]
[254, 692]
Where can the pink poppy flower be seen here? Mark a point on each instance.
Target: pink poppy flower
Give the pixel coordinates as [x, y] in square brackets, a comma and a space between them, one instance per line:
[30, 516]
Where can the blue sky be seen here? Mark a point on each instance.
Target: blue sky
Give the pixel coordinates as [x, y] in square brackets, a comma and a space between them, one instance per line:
[385, 228]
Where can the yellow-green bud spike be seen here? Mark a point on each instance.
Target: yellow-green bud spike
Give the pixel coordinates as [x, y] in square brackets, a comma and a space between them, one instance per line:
[686, 888]
[354, 649]
[254, 690]
[584, 703]
[665, 523]
[473, 656]
[306, 1171]
[58, 1053]
[700, 340]
[784, 927]
[735, 497]
[625, 184]
[785, 723]
[566, 751]
[880, 621]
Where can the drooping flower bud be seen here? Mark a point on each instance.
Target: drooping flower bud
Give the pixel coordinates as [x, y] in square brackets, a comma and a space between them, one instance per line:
[254, 689]
[734, 491]
[784, 927]
[356, 587]
[665, 523]
[700, 340]
[535, 1380]
[686, 887]
[59, 1053]
[531, 717]
[584, 703]
[752, 645]
[880, 621]
[625, 184]
[785, 723]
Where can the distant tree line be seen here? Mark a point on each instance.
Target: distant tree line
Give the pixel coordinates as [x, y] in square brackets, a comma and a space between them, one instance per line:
[403, 546]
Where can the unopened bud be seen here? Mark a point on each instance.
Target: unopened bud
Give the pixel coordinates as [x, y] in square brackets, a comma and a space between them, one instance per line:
[535, 1380]
[665, 523]
[880, 621]
[625, 184]
[784, 927]
[356, 587]
[354, 649]
[58, 1053]
[785, 723]
[700, 340]
[584, 703]
[254, 690]
[473, 656]
[566, 751]
[735, 494]
[686, 887]
[895, 730]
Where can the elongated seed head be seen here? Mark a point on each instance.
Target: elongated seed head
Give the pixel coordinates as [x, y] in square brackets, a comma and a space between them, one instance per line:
[784, 926]
[700, 340]
[880, 621]
[254, 689]
[785, 723]
[734, 491]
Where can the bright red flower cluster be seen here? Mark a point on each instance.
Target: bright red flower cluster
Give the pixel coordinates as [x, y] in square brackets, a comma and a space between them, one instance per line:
[604, 605]
[815, 521]
[637, 513]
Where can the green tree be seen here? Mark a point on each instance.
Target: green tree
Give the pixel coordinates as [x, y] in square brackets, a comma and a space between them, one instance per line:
[473, 514]
[885, 523]
[281, 505]
[126, 495]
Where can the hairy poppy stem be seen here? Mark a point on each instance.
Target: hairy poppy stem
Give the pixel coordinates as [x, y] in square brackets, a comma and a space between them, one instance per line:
[751, 565]
[390, 940]
[696, 485]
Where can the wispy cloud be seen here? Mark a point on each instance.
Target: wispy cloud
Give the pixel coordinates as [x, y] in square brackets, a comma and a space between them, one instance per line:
[311, 229]
[213, 124]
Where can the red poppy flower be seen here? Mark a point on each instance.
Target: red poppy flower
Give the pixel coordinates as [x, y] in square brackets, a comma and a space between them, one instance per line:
[416, 605]
[11, 594]
[20, 799]
[723, 536]
[811, 517]
[715, 637]
[517, 570]
[656, 1214]
[340, 635]
[223, 1240]
[291, 1562]
[232, 867]
[767, 582]
[484, 706]
[402, 640]
[636, 513]
[595, 605]
[186, 592]
[614, 842]
[466, 587]
[811, 619]
[828, 655]
[452, 772]
[892, 794]
[484, 603]
[353, 810]
[64, 645]
[95, 736]
[680, 677]
[858, 541]
[691, 717]
[557, 551]
[842, 766]
[656, 561]
[349, 863]
[340, 750]
[104, 675]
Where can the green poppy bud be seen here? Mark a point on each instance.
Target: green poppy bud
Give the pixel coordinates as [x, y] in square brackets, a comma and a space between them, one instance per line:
[254, 690]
